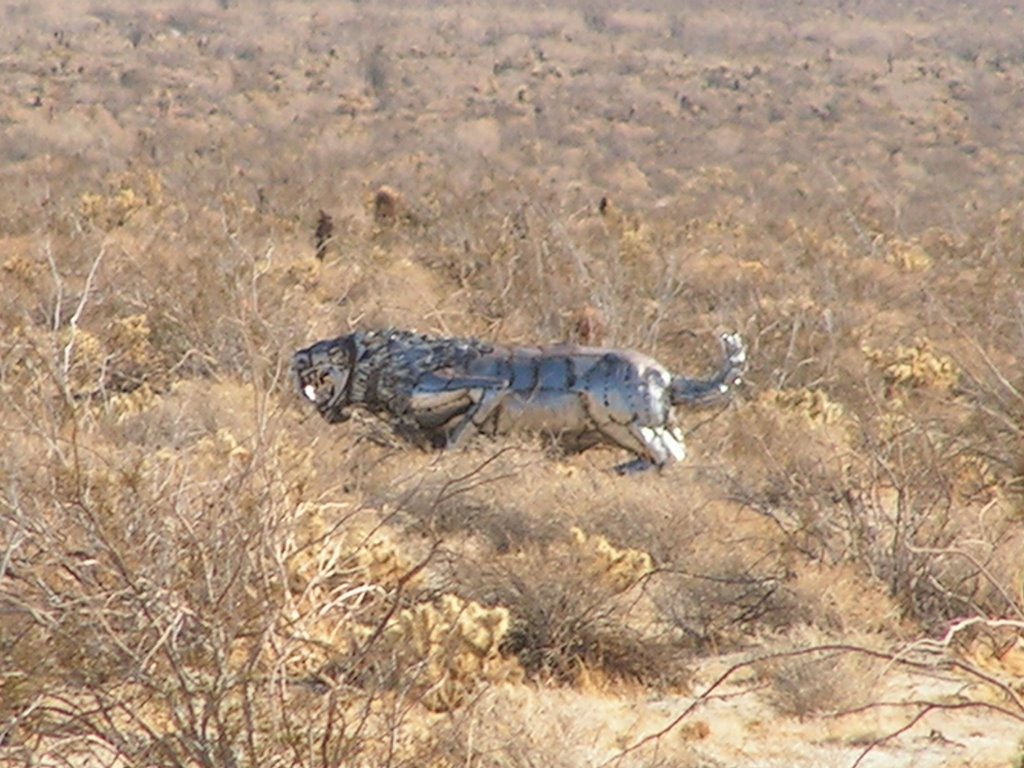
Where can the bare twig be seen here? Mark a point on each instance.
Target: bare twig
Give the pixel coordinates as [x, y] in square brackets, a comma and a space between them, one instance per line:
[1011, 603]
[76, 316]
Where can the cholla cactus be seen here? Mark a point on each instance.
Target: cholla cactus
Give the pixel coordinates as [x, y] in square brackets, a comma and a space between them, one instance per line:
[620, 569]
[915, 367]
[812, 404]
[452, 646]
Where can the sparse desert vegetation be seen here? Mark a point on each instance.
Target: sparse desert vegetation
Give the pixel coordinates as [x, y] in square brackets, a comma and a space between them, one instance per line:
[195, 570]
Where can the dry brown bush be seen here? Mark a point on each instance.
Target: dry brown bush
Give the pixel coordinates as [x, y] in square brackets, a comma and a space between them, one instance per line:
[577, 610]
[193, 600]
[812, 684]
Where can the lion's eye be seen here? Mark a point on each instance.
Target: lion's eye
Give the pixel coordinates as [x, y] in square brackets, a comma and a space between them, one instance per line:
[310, 392]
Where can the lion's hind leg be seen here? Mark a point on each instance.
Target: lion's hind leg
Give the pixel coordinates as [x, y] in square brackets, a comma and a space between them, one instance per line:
[653, 446]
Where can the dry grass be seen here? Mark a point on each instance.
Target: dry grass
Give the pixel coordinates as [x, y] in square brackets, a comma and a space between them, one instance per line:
[194, 570]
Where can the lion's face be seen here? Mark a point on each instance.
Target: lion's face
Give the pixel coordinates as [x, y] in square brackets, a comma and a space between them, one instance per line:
[321, 374]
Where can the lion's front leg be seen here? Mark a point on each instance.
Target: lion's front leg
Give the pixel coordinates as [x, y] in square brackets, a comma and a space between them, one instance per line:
[476, 416]
[455, 406]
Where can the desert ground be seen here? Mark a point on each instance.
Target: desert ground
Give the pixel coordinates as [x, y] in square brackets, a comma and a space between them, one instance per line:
[196, 570]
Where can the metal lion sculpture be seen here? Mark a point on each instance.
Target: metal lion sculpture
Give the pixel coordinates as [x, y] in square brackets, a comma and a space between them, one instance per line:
[439, 392]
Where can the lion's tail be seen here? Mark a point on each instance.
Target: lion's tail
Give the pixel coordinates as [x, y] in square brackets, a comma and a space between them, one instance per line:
[684, 391]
